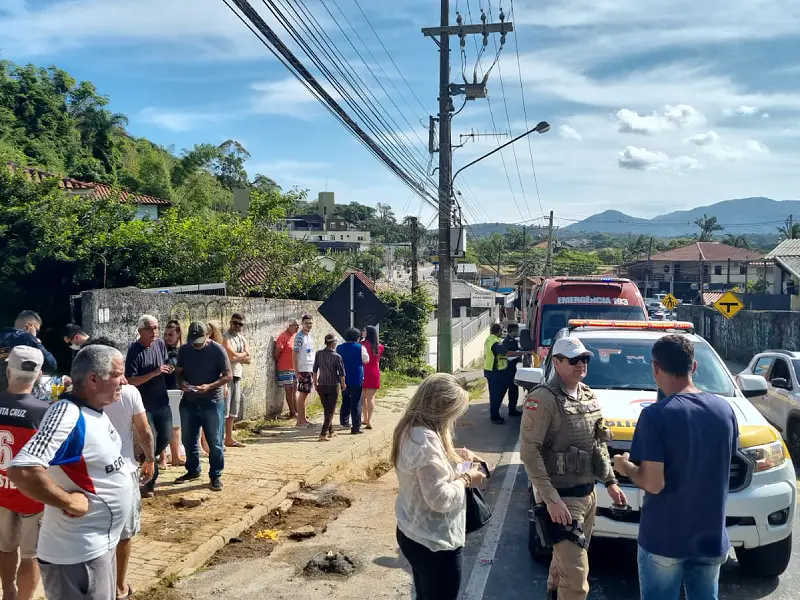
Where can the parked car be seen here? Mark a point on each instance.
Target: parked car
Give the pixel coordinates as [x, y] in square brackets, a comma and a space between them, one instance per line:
[763, 495]
[780, 405]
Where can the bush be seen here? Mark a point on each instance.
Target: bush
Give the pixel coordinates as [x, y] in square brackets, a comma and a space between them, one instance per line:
[403, 332]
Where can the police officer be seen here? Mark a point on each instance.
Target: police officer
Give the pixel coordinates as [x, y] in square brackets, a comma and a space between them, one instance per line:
[562, 444]
[495, 369]
[511, 346]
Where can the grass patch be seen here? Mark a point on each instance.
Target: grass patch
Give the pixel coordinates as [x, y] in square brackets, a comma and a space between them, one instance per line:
[476, 389]
[393, 380]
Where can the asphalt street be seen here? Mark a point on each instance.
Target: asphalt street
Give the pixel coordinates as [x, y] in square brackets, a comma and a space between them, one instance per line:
[498, 567]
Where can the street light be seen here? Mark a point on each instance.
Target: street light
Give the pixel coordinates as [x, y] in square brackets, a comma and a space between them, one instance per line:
[541, 127]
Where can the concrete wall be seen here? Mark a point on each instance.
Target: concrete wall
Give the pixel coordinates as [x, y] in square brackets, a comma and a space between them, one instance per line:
[113, 313]
[746, 334]
[463, 353]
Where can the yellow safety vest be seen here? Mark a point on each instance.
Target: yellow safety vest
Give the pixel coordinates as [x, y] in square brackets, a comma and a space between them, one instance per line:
[491, 361]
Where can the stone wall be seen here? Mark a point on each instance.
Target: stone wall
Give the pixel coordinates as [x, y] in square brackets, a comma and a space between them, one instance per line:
[746, 334]
[114, 313]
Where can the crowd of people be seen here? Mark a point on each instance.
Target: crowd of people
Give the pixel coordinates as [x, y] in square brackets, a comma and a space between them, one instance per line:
[78, 453]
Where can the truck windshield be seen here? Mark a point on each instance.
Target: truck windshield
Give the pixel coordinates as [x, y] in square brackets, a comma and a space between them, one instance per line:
[555, 316]
[627, 364]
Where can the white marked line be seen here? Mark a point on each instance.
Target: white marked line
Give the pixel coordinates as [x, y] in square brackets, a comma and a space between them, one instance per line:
[494, 529]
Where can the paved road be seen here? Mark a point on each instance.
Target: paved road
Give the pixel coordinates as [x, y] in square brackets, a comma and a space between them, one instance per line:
[512, 574]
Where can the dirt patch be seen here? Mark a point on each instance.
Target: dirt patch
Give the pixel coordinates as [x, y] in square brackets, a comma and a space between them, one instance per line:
[165, 590]
[378, 469]
[260, 540]
[167, 520]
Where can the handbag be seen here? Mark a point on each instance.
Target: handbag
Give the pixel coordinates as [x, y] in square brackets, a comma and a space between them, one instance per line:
[478, 512]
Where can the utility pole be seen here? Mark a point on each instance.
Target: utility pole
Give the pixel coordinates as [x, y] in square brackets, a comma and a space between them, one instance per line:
[648, 268]
[548, 265]
[414, 240]
[441, 35]
[789, 228]
[499, 259]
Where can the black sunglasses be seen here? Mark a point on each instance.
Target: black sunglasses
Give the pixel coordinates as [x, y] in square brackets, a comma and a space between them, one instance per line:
[237, 323]
[584, 358]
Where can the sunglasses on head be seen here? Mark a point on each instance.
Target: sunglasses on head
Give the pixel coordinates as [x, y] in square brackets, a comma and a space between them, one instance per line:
[583, 358]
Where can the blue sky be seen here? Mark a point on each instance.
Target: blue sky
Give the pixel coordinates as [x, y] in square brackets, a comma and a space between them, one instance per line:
[654, 106]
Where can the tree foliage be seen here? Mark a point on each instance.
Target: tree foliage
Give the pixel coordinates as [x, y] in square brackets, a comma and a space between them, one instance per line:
[404, 332]
[708, 227]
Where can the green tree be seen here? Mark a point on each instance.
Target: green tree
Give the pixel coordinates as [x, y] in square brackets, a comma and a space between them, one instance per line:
[737, 241]
[789, 233]
[708, 227]
[573, 262]
[404, 332]
[610, 256]
[228, 166]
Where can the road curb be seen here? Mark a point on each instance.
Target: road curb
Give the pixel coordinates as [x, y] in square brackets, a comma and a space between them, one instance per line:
[375, 440]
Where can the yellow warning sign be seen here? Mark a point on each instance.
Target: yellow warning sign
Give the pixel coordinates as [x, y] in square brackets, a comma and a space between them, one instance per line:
[670, 302]
[729, 305]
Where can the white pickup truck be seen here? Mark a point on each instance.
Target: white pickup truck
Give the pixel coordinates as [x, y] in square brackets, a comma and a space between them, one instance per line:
[762, 494]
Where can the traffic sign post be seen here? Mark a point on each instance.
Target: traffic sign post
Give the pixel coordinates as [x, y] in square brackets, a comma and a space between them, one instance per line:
[352, 304]
[729, 305]
[669, 302]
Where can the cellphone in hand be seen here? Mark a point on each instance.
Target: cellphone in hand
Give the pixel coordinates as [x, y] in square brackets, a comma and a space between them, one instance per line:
[485, 469]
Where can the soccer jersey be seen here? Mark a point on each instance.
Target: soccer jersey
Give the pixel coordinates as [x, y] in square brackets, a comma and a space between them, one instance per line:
[20, 416]
[82, 453]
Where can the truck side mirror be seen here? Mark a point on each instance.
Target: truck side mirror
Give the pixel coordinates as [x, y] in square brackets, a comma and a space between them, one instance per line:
[525, 340]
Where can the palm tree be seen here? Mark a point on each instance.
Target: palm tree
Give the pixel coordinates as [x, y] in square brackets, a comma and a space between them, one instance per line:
[737, 241]
[708, 227]
[790, 233]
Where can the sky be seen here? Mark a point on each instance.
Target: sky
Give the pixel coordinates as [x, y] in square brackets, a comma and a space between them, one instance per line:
[654, 106]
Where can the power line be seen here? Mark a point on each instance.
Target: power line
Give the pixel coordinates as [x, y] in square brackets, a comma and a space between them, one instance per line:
[399, 72]
[525, 110]
[288, 59]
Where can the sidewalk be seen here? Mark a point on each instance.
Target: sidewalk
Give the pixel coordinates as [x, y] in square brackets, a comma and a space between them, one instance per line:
[176, 540]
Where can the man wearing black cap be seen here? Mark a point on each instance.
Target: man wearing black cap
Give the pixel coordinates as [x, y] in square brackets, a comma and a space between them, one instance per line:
[203, 369]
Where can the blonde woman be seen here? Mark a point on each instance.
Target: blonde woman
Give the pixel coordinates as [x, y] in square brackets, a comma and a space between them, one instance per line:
[431, 502]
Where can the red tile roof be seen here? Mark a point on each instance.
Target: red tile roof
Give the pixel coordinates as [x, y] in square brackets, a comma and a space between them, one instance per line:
[710, 297]
[364, 279]
[99, 190]
[254, 272]
[707, 252]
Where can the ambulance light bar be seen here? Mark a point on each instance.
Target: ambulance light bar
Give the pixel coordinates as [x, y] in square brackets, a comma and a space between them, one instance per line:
[641, 325]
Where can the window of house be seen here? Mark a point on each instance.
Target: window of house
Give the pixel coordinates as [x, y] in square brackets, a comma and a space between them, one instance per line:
[717, 269]
[341, 237]
[361, 238]
[743, 269]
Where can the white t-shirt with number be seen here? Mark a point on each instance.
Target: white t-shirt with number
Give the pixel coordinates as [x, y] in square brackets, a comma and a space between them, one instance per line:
[121, 415]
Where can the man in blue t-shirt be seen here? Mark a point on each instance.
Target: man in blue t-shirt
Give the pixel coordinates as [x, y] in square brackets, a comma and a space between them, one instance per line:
[682, 535]
[355, 357]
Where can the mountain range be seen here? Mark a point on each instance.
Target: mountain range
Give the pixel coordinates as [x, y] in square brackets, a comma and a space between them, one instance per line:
[738, 216]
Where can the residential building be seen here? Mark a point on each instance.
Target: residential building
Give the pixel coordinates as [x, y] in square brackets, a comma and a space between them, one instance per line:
[147, 207]
[688, 270]
[467, 272]
[782, 270]
[325, 229]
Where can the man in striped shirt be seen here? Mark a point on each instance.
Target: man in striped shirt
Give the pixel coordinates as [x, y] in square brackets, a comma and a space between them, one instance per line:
[328, 375]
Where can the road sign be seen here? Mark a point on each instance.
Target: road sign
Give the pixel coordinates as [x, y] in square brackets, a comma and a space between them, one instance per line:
[729, 305]
[352, 304]
[670, 302]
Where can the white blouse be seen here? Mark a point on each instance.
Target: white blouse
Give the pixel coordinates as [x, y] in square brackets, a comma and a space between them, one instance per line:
[431, 504]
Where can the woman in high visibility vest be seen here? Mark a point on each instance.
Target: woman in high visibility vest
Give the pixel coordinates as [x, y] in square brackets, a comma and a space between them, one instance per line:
[494, 369]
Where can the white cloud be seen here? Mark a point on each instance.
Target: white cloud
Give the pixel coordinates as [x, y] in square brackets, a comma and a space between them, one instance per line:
[742, 111]
[641, 159]
[711, 143]
[568, 133]
[286, 97]
[672, 117]
[180, 120]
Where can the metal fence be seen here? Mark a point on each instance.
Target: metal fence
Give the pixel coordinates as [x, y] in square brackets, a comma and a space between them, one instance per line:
[472, 327]
[203, 289]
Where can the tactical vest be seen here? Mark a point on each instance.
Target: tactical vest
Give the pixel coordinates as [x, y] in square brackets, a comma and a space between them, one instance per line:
[569, 456]
[492, 361]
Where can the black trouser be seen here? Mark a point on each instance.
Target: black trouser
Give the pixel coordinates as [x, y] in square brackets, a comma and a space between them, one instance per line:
[160, 420]
[328, 395]
[437, 575]
[350, 412]
[513, 390]
[497, 382]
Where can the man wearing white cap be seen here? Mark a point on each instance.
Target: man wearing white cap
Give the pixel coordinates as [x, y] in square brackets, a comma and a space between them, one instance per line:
[563, 447]
[21, 414]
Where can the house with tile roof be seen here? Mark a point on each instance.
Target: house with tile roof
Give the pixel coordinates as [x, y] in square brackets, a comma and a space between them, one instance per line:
[784, 262]
[147, 207]
[697, 267]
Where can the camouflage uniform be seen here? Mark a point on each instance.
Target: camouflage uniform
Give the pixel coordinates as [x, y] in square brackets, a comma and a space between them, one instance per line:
[563, 446]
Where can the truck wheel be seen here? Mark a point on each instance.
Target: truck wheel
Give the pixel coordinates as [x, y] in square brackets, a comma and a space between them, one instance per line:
[766, 561]
[794, 441]
[539, 554]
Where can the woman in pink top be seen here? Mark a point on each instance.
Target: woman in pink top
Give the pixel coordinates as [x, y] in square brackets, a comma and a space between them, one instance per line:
[372, 372]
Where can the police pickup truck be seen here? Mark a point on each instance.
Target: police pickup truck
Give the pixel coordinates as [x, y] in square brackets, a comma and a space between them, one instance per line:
[763, 493]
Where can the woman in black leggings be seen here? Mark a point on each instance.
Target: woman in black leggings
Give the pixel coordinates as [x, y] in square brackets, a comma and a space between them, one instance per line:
[431, 503]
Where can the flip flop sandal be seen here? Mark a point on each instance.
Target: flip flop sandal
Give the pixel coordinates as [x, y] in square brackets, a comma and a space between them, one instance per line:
[128, 595]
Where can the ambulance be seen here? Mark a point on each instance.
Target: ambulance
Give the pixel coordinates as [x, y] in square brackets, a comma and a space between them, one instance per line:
[762, 485]
[559, 299]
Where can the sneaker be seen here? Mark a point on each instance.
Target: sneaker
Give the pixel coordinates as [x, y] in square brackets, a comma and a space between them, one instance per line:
[187, 477]
[497, 420]
[355, 431]
[146, 493]
[216, 484]
[514, 413]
